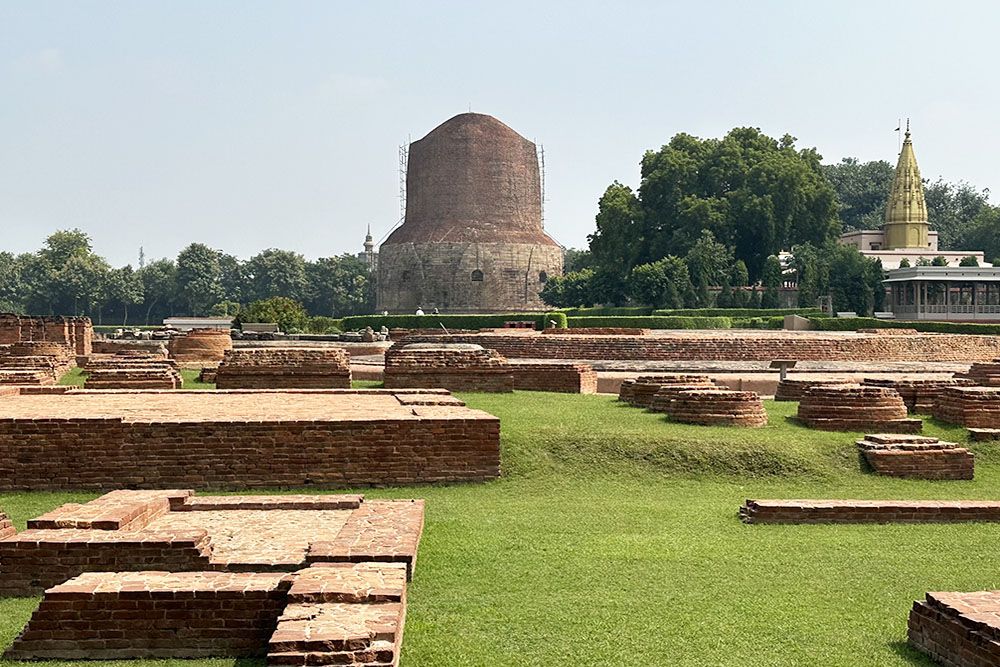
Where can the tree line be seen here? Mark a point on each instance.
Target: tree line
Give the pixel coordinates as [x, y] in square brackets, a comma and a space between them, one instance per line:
[711, 217]
[66, 276]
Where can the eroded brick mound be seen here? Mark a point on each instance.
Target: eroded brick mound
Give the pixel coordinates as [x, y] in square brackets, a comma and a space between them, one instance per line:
[25, 376]
[974, 407]
[207, 375]
[452, 367]
[918, 395]
[199, 345]
[563, 377]
[986, 374]
[126, 358]
[957, 629]
[869, 511]
[916, 457]
[717, 407]
[642, 390]
[134, 377]
[178, 532]
[853, 407]
[793, 389]
[97, 439]
[287, 367]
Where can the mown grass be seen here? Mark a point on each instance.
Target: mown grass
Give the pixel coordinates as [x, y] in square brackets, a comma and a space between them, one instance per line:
[612, 539]
[75, 378]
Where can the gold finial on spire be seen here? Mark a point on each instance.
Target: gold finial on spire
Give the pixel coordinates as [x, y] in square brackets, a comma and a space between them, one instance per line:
[906, 211]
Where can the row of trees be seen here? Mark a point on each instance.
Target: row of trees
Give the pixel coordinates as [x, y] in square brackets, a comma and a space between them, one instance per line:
[716, 213]
[67, 276]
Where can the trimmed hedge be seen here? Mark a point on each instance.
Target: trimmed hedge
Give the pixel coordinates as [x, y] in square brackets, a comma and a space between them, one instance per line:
[609, 311]
[740, 312]
[854, 323]
[652, 322]
[555, 316]
[323, 325]
[777, 322]
[492, 320]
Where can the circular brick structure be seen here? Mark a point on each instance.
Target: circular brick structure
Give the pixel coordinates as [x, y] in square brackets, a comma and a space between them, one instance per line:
[642, 390]
[918, 395]
[973, 407]
[853, 407]
[792, 390]
[717, 407]
[200, 345]
[472, 238]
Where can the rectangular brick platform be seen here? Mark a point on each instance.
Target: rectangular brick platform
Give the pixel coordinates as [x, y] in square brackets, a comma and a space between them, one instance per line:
[984, 434]
[453, 367]
[869, 511]
[177, 531]
[976, 407]
[957, 629]
[242, 439]
[285, 367]
[916, 457]
[160, 376]
[563, 377]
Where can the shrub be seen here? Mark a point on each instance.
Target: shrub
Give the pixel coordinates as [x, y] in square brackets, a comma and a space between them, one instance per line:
[630, 311]
[775, 322]
[741, 312]
[652, 322]
[289, 314]
[323, 325]
[555, 316]
[485, 321]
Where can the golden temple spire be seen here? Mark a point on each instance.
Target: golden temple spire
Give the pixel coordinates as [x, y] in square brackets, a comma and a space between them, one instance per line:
[906, 211]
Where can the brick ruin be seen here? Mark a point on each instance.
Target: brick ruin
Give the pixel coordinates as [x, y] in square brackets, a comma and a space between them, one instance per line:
[852, 407]
[717, 407]
[201, 345]
[284, 367]
[792, 389]
[134, 574]
[869, 511]
[918, 395]
[984, 434]
[75, 332]
[452, 367]
[916, 457]
[642, 391]
[974, 407]
[734, 345]
[985, 374]
[957, 629]
[597, 331]
[565, 377]
[134, 377]
[93, 439]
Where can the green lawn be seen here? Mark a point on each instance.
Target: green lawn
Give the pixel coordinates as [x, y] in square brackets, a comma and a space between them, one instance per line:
[75, 378]
[612, 539]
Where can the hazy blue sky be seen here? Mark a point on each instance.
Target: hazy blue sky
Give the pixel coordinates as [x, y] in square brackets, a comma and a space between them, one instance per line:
[249, 125]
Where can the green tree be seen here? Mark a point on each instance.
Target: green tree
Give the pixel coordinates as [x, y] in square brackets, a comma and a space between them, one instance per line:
[904, 263]
[771, 281]
[82, 282]
[199, 278]
[812, 270]
[940, 260]
[11, 285]
[233, 278]
[125, 288]
[862, 191]
[739, 278]
[951, 207]
[289, 314]
[570, 290]
[339, 286]
[276, 272]
[969, 261]
[159, 288]
[664, 283]
[708, 264]
[614, 245]
[576, 260]
[855, 281]
[983, 233]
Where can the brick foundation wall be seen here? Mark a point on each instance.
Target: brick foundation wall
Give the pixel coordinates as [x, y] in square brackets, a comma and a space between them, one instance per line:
[568, 378]
[918, 395]
[734, 346]
[974, 407]
[852, 407]
[452, 367]
[793, 389]
[957, 629]
[134, 377]
[869, 511]
[642, 391]
[6, 526]
[986, 374]
[916, 457]
[597, 331]
[75, 332]
[290, 367]
[717, 407]
[104, 453]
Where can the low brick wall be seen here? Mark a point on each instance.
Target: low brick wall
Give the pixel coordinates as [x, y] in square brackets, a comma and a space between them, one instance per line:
[241, 439]
[869, 511]
[452, 367]
[75, 332]
[561, 377]
[598, 331]
[642, 390]
[984, 434]
[957, 629]
[116, 615]
[717, 407]
[918, 395]
[852, 407]
[6, 526]
[916, 457]
[975, 407]
[287, 367]
[134, 377]
[986, 374]
[736, 346]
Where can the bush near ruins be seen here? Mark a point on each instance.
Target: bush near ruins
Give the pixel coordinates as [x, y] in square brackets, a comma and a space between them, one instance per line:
[652, 322]
[290, 315]
[854, 323]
